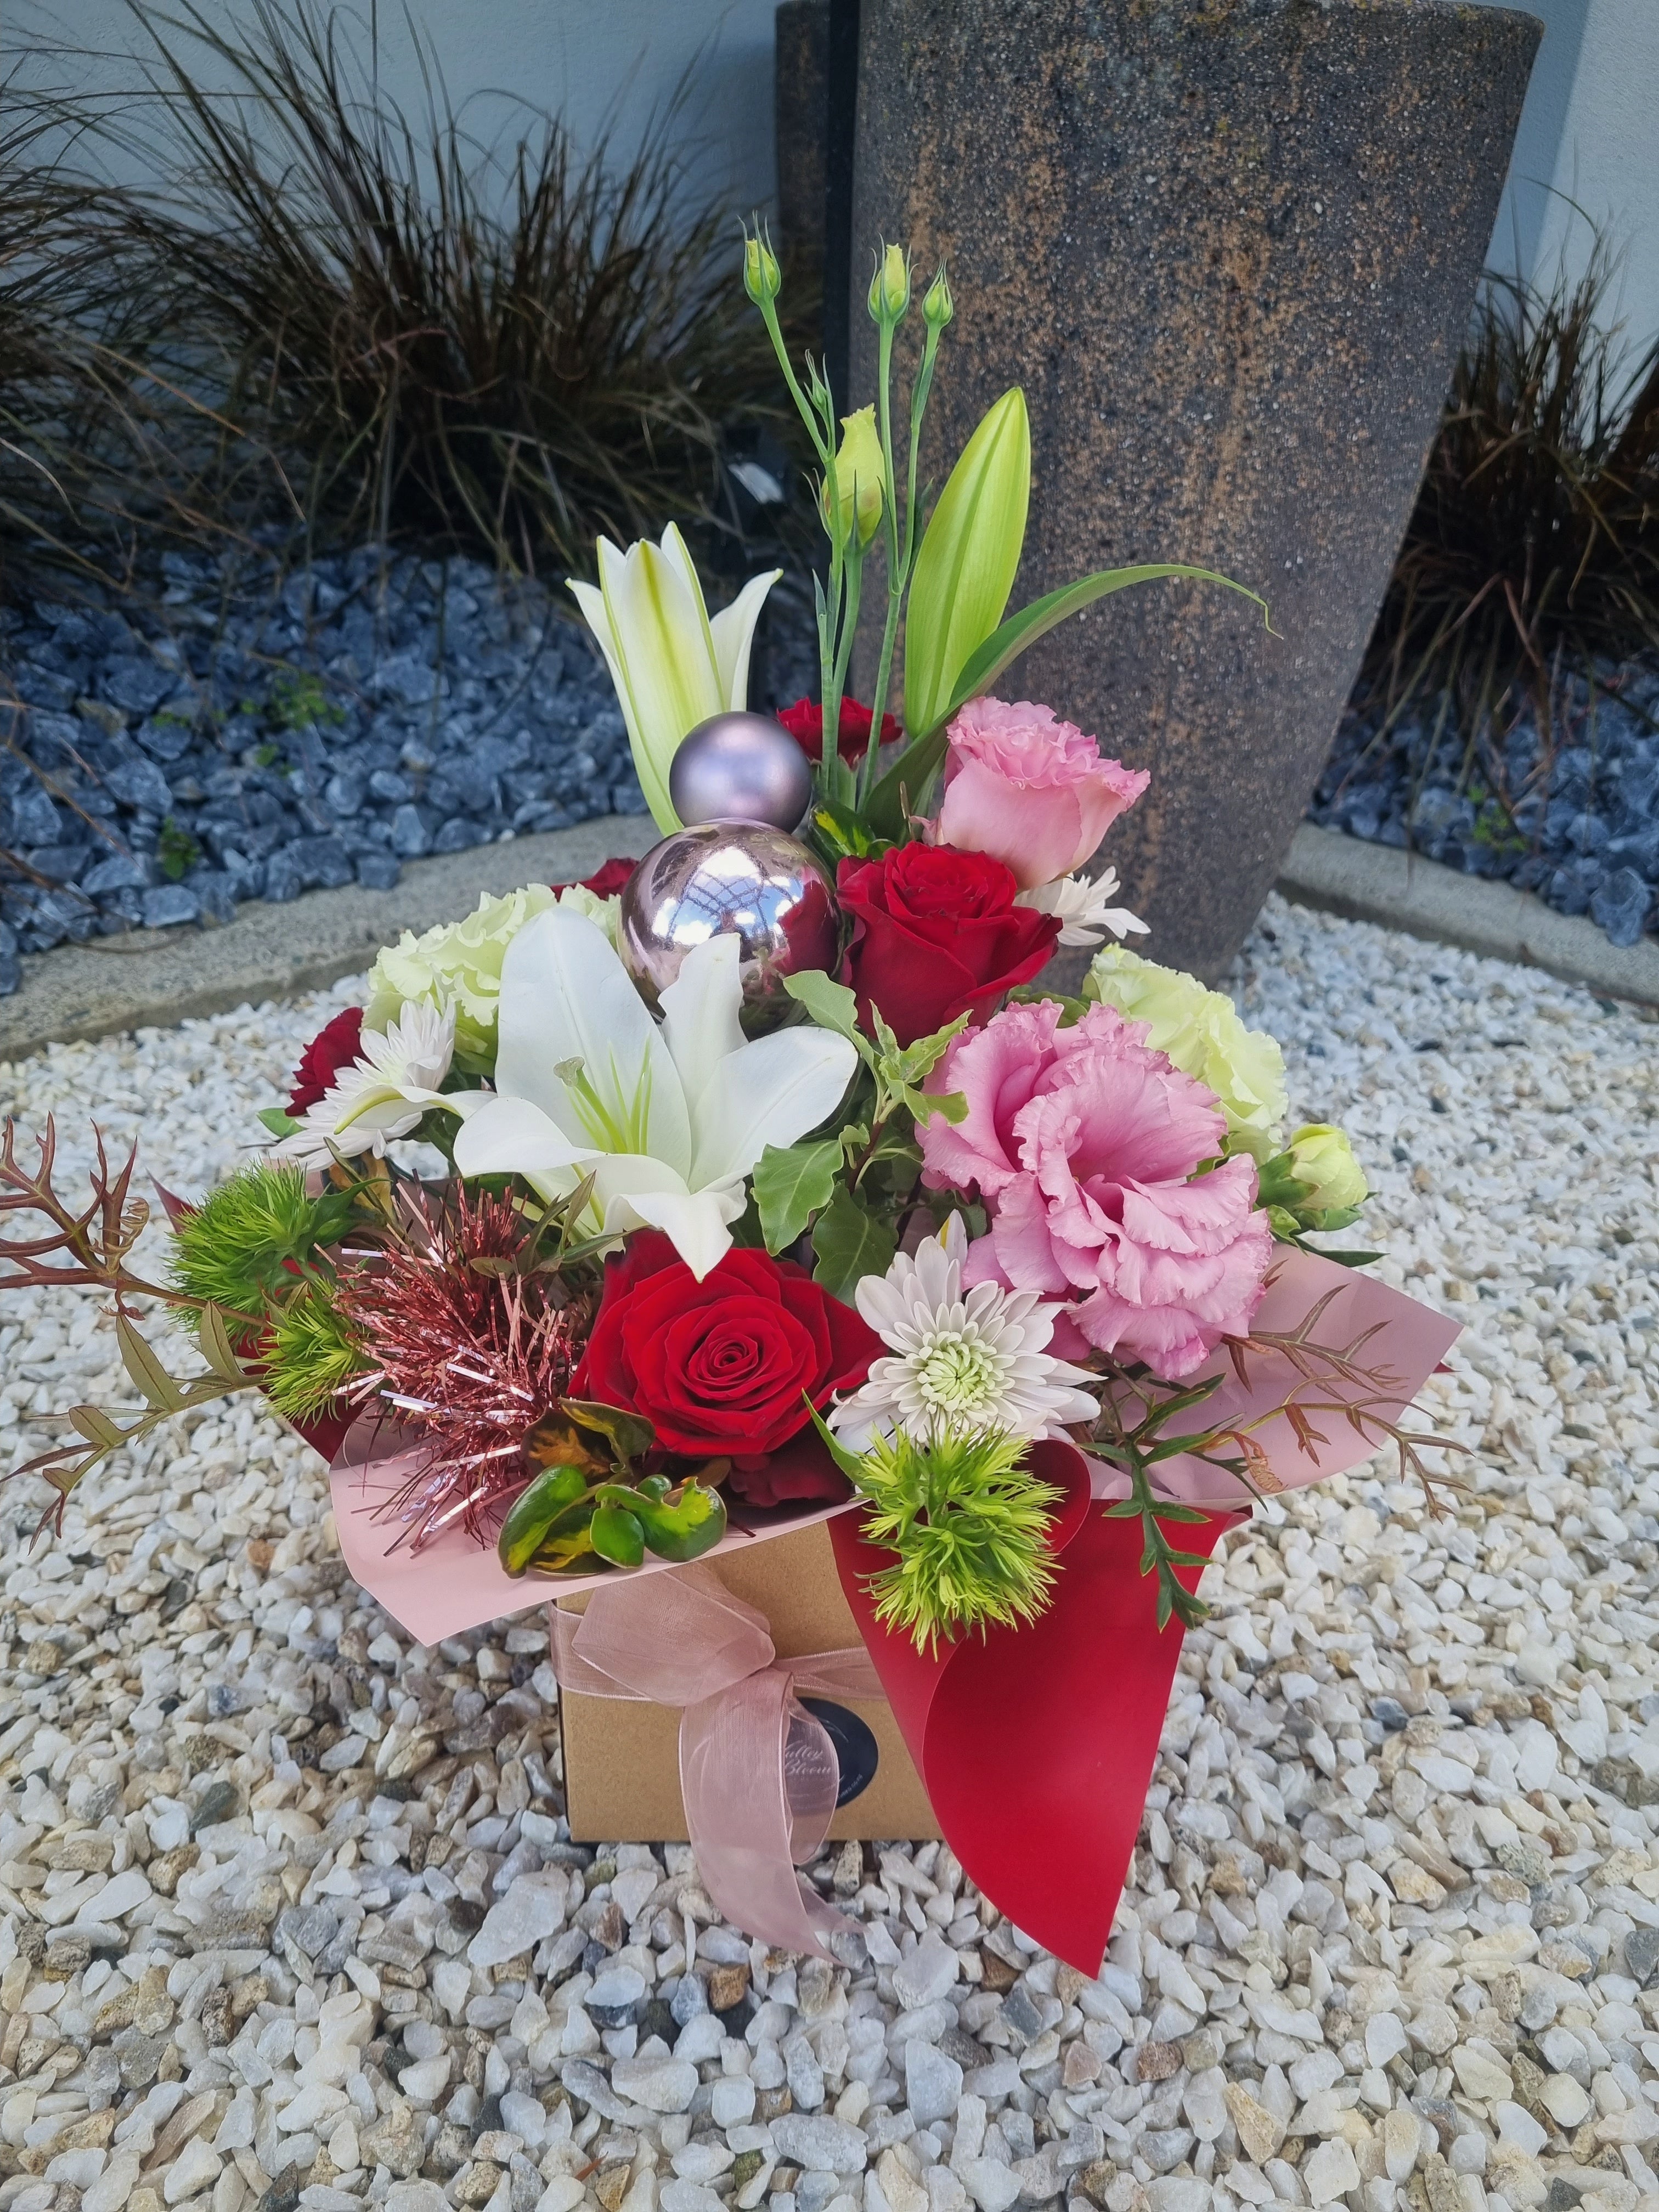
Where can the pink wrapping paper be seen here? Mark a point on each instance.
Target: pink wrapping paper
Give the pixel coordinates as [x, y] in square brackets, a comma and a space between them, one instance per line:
[1410, 1341]
[454, 1583]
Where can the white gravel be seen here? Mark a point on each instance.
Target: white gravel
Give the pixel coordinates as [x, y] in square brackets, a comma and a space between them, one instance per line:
[289, 1916]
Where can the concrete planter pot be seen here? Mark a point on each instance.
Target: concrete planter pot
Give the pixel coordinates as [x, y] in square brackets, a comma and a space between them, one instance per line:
[1228, 247]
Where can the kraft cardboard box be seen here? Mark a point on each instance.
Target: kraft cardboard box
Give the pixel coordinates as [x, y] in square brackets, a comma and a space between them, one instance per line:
[622, 1758]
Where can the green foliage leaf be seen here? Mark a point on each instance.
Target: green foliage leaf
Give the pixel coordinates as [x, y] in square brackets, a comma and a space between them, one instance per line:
[1335, 1217]
[841, 835]
[628, 1434]
[791, 1185]
[851, 1463]
[157, 1386]
[969, 557]
[915, 766]
[693, 1524]
[616, 1534]
[535, 1513]
[830, 1004]
[213, 1337]
[558, 1442]
[97, 1427]
[279, 1123]
[850, 1243]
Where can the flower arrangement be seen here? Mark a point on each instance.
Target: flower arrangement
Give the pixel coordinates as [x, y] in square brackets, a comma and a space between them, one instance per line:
[762, 1180]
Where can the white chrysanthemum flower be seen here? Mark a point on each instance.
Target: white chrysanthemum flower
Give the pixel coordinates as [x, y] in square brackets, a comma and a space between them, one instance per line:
[971, 1363]
[1081, 903]
[383, 1094]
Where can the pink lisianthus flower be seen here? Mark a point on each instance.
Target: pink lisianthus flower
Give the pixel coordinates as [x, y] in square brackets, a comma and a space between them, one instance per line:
[1083, 1143]
[1030, 790]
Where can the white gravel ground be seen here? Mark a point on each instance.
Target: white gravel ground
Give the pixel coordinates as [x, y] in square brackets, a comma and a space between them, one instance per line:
[1393, 1932]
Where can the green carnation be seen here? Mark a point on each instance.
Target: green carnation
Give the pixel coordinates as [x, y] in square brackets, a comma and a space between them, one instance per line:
[458, 963]
[1201, 1032]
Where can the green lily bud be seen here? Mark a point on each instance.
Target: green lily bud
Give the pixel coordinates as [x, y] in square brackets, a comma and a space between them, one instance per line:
[970, 553]
[860, 480]
[1321, 1159]
[937, 305]
[890, 287]
[762, 279]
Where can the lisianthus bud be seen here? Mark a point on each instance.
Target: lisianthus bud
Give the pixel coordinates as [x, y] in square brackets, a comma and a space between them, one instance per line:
[860, 479]
[762, 280]
[936, 305]
[890, 287]
[1323, 1159]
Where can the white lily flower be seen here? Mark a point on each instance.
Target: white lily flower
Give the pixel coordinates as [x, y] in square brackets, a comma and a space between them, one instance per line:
[1081, 903]
[669, 1120]
[383, 1094]
[972, 1363]
[672, 663]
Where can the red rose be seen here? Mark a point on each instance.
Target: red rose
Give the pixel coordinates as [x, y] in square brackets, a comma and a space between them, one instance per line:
[607, 880]
[804, 723]
[724, 1365]
[334, 1046]
[801, 1473]
[936, 933]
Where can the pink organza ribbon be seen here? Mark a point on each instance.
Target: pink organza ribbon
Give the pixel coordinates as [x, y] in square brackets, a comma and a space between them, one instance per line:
[758, 1773]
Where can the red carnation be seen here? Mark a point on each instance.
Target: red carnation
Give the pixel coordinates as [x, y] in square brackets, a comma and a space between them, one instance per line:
[804, 723]
[725, 1365]
[936, 933]
[609, 880]
[334, 1046]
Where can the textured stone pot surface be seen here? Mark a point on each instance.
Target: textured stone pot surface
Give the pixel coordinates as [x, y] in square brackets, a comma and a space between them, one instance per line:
[801, 93]
[1228, 247]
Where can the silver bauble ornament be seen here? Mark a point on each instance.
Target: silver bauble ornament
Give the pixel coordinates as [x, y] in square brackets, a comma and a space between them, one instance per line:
[739, 767]
[742, 879]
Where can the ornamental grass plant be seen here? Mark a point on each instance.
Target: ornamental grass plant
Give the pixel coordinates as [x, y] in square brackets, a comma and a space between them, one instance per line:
[1532, 554]
[504, 345]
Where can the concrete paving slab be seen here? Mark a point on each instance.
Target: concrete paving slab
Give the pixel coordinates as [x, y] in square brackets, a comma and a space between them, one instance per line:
[160, 977]
[1402, 891]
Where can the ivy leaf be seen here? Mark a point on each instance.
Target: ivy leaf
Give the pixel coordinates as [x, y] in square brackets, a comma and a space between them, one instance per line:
[791, 1185]
[831, 1006]
[850, 1243]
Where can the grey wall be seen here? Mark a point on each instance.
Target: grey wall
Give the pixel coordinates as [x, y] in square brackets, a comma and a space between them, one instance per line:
[1590, 135]
[596, 62]
[1588, 151]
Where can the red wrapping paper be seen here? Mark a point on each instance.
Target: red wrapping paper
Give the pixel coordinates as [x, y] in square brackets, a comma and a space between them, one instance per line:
[1037, 1745]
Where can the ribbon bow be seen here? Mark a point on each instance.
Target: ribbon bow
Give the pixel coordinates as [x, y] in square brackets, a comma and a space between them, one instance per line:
[758, 1773]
